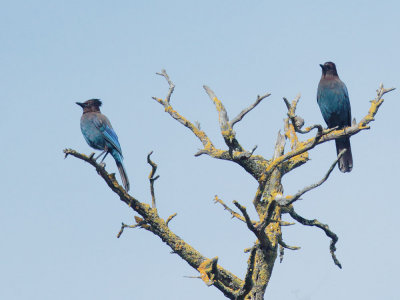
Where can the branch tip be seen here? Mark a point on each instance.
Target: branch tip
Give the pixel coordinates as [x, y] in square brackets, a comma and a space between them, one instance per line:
[244, 112]
[170, 218]
[324, 227]
[232, 212]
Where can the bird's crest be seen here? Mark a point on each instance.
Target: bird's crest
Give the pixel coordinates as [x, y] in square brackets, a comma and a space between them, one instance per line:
[93, 102]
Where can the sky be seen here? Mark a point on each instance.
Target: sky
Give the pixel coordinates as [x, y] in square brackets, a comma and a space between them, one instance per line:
[59, 220]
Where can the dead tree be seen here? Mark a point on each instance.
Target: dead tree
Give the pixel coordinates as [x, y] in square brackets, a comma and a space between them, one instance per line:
[269, 201]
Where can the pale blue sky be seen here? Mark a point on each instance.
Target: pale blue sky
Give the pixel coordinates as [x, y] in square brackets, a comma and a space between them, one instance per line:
[58, 219]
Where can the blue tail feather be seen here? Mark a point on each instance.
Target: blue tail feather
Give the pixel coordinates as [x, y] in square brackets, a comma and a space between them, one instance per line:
[118, 160]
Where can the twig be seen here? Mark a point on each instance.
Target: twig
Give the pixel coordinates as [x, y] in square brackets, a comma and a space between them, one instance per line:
[226, 129]
[123, 226]
[284, 223]
[226, 207]
[247, 154]
[170, 218]
[284, 245]
[297, 121]
[240, 116]
[254, 149]
[258, 230]
[281, 253]
[248, 282]
[192, 277]
[222, 114]
[324, 227]
[152, 179]
[201, 135]
[285, 201]
[171, 84]
[246, 217]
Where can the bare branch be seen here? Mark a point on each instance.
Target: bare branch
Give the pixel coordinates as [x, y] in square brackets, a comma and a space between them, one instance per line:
[284, 245]
[259, 230]
[246, 217]
[375, 104]
[297, 121]
[324, 227]
[284, 223]
[201, 135]
[240, 116]
[222, 114]
[139, 223]
[226, 207]
[152, 179]
[285, 201]
[159, 227]
[170, 218]
[171, 85]
[226, 129]
[287, 103]
[248, 282]
[123, 226]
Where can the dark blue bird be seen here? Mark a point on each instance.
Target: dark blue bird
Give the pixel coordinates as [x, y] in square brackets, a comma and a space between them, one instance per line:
[333, 100]
[99, 134]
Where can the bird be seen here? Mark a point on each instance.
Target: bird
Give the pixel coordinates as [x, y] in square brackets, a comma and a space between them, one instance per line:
[99, 134]
[333, 101]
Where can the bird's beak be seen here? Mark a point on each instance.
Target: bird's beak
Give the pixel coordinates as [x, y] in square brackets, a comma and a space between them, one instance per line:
[322, 66]
[80, 104]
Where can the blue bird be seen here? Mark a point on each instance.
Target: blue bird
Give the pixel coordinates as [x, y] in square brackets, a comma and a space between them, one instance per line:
[333, 101]
[99, 134]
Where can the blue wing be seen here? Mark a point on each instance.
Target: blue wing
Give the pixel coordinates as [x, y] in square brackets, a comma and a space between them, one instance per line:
[104, 125]
[333, 100]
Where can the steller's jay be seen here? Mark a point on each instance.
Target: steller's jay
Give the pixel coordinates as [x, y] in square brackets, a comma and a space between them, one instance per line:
[333, 100]
[99, 134]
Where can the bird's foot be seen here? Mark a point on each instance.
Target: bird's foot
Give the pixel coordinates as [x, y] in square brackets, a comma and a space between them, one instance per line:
[103, 165]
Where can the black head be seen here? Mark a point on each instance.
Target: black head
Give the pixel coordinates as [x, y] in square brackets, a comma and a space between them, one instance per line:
[329, 68]
[90, 105]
